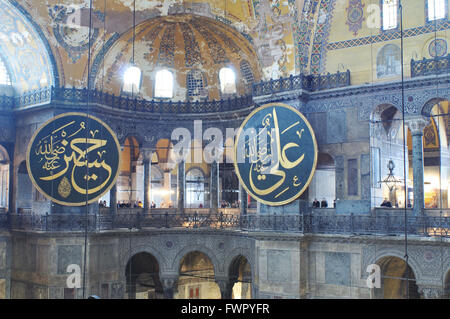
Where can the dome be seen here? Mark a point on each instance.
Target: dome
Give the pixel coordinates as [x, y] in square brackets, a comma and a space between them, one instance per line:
[193, 48]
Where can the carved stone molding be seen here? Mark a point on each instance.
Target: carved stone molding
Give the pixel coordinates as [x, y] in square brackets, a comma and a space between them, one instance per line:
[416, 123]
[430, 292]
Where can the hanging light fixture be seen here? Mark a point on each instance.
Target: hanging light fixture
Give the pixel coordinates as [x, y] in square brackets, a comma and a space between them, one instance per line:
[132, 75]
[391, 181]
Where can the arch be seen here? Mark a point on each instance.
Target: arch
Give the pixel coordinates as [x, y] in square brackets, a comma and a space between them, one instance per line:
[28, 53]
[197, 277]
[388, 61]
[429, 105]
[399, 277]
[142, 276]
[218, 267]
[323, 184]
[241, 273]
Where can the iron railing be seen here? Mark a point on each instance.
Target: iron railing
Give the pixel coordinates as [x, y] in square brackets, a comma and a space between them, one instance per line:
[433, 66]
[303, 223]
[75, 95]
[305, 82]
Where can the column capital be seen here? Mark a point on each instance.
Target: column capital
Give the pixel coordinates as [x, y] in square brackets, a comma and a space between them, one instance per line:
[416, 123]
[226, 286]
[145, 155]
[430, 292]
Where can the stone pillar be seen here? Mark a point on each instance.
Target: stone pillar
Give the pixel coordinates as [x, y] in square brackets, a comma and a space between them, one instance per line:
[243, 199]
[146, 160]
[168, 283]
[113, 199]
[431, 292]
[214, 185]
[225, 286]
[181, 186]
[416, 124]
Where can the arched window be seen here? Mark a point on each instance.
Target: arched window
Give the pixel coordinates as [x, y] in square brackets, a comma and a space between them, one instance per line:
[132, 79]
[195, 188]
[227, 81]
[4, 76]
[164, 84]
[388, 61]
[195, 84]
[390, 14]
[436, 9]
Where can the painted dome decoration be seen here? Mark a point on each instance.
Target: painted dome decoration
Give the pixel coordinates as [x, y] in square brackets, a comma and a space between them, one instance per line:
[193, 48]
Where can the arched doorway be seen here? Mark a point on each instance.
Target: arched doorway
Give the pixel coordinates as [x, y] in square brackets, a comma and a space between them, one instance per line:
[322, 185]
[142, 277]
[197, 279]
[240, 273]
[397, 280]
[4, 179]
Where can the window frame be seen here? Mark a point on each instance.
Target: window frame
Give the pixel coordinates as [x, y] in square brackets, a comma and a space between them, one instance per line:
[131, 93]
[225, 94]
[396, 28]
[7, 71]
[427, 17]
[155, 80]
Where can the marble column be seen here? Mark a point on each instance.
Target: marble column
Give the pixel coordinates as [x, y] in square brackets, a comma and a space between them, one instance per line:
[181, 186]
[168, 283]
[146, 160]
[226, 287]
[416, 124]
[430, 292]
[113, 199]
[214, 185]
[243, 199]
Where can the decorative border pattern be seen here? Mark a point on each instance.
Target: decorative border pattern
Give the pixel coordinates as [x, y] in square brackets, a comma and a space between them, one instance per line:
[318, 54]
[387, 36]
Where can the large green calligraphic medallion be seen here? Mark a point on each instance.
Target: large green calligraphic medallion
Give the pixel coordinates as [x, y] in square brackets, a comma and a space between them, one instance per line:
[275, 154]
[73, 159]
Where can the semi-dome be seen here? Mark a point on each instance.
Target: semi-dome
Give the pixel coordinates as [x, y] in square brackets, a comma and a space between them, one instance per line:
[194, 49]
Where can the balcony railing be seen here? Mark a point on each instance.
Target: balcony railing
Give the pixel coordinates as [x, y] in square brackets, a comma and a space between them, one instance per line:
[75, 95]
[306, 82]
[305, 223]
[433, 66]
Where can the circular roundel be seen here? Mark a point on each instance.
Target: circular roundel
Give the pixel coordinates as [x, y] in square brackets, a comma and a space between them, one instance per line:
[73, 159]
[275, 154]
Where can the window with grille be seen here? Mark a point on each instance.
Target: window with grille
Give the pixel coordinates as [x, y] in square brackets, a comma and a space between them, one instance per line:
[195, 84]
[4, 76]
[247, 74]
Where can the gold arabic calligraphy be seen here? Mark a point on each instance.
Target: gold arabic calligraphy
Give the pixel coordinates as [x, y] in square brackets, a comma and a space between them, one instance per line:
[53, 150]
[265, 163]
